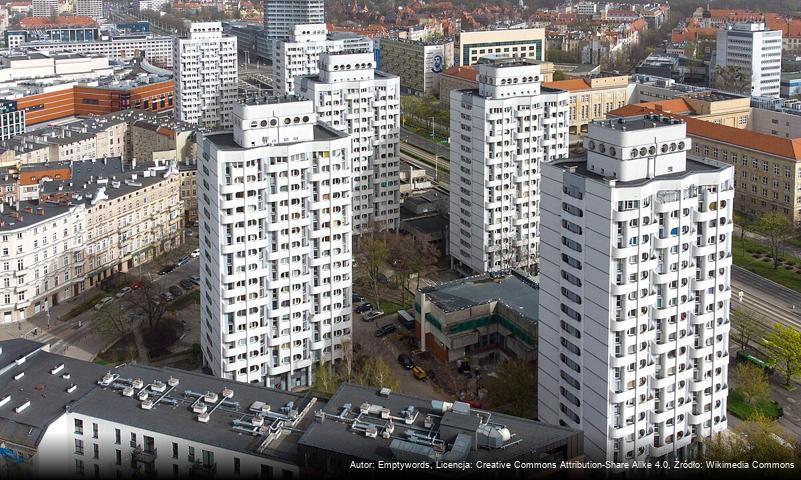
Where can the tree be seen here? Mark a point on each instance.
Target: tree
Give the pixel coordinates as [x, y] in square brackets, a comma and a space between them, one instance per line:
[758, 439]
[326, 379]
[732, 78]
[407, 258]
[752, 382]
[514, 389]
[113, 319]
[147, 299]
[372, 255]
[745, 327]
[559, 75]
[776, 228]
[784, 342]
[376, 373]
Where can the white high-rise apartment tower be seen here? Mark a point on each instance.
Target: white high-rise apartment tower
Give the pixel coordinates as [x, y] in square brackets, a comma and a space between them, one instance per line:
[757, 51]
[634, 291]
[300, 55]
[281, 15]
[500, 136]
[274, 207]
[90, 8]
[351, 96]
[206, 78]
[45, 8]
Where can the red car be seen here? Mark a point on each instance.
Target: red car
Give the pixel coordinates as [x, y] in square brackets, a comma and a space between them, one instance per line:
[136, 285]
[474, 403]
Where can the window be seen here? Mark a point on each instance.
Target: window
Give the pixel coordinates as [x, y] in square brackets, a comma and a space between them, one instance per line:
[78, 466]
[95, 451]
[191, 456]
[94, 430]
[78, 446]
[174, 450]
[118, 457]
[78, 426]
[117, 438]
[237, 465]
[133, 440]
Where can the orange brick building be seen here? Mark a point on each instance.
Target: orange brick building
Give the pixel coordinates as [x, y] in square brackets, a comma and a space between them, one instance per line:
[84, 100]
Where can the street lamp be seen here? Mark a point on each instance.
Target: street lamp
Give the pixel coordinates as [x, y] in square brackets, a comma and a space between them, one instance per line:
[436, 152]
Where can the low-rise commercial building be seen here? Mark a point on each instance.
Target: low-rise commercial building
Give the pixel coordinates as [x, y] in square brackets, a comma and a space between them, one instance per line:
[518, 43]
[418, 64]
[592, 98]
[155, 49]
[137, 420]
[493, 315]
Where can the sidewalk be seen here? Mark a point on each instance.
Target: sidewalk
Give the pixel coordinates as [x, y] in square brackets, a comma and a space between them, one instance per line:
[787, 248]
[54, 329]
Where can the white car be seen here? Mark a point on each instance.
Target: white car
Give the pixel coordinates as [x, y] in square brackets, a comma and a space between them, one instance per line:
[103, 302]
[123, 291]
[195, 253]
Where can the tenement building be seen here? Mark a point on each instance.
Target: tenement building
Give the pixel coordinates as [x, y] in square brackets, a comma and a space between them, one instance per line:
[350, 95]
[501, 134]
[635, 291]
[274, 202]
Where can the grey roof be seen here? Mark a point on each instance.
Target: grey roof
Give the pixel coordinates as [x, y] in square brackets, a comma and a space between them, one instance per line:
[225, 141]
[29, 213]
[88, 176]
[49, 399]
[579, 167]
[46, 392]
[336, 436]
[514, 290]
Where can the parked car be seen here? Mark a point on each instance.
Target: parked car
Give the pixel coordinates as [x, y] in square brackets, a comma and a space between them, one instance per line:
[406, 319]
[183, 261]
[356, 298]
[372, 315]
[175, 291]
[406, 361]
[123, 291]
[166, 269]
[103, 302]
[187, 284]
[385, 330]
[195, 253]
[196, 279]
[167, 297]
[474, 403]
[418, 373]
[365, 307]
[137, 285]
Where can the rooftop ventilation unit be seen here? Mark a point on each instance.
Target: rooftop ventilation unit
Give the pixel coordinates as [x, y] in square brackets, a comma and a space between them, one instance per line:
[60, 367]
[66, 376]
[210, 397]
[23, 406]
[19, 375]
[128, 391]
[137, 383]
[384, 392]
[259, 407]
[173, 382]
[143, 395]
[107, 379]
[158, 386]
[199, 408]
[72, 388]
[5, 399]
[147, 405]
[203, 418]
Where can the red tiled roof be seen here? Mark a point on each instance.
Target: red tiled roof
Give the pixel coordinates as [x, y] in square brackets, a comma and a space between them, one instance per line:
[774, 145]
[61, 20]
[570, 85]
[467, 73]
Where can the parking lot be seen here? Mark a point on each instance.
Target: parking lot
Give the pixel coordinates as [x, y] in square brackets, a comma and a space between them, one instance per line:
[389, 347]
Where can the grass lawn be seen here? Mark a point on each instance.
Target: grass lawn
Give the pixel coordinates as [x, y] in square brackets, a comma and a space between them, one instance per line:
[740, 409]
[185, 300]
[84, 307]
[781, 275]
[389, 307]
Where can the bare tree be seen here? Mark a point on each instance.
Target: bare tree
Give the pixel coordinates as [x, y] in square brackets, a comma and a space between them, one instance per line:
[372, 256]
[113, 319]
[745, 327]
[147, 300]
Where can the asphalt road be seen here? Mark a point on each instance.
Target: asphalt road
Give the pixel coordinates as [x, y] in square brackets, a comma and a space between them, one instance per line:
[768, 300]
[425, 143]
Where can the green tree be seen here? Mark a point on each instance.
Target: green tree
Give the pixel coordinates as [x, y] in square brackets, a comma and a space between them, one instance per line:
[559, 75]
[784, 342]
[375, 372]
[776, 228]
[758, 439]
[514, 389]
[752, 382]
[745, 327]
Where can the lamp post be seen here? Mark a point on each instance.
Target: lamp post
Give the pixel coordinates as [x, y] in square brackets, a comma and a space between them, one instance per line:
[436, 152]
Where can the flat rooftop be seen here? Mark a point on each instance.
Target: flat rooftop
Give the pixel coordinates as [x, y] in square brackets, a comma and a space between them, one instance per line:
[579, 167]
[516, 291]
[638, 122]
[354, 408]
[225, 141]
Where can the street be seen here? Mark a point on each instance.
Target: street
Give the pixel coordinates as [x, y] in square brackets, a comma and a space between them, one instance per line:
[78, 337]
[425, 144]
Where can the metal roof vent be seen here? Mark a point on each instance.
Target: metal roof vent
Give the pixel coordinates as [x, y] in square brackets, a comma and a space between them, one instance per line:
[19, 375]
[210, 397]
[60, 367]
[158, 386]
[72, 388]
[137, 383]
[384, 392]
[5, 400]
[128, 391]
[23, 406]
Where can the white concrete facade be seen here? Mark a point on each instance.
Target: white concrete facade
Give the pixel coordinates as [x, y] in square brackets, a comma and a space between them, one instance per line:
[206, 76]
[351, 96]
[757, 51]
[500, 136]
[89, 8]
[300, 55]
[45, 8]
[635, 291]
[281, 15]
[275, 235]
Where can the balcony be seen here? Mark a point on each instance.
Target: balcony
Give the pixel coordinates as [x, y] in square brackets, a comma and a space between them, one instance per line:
[203, 470]
[144, 456]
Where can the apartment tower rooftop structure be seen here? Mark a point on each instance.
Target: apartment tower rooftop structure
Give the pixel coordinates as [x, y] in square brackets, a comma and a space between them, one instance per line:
[350, 95]
[275, 236]
[501, 134]
[756, 51]
[635, 291]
